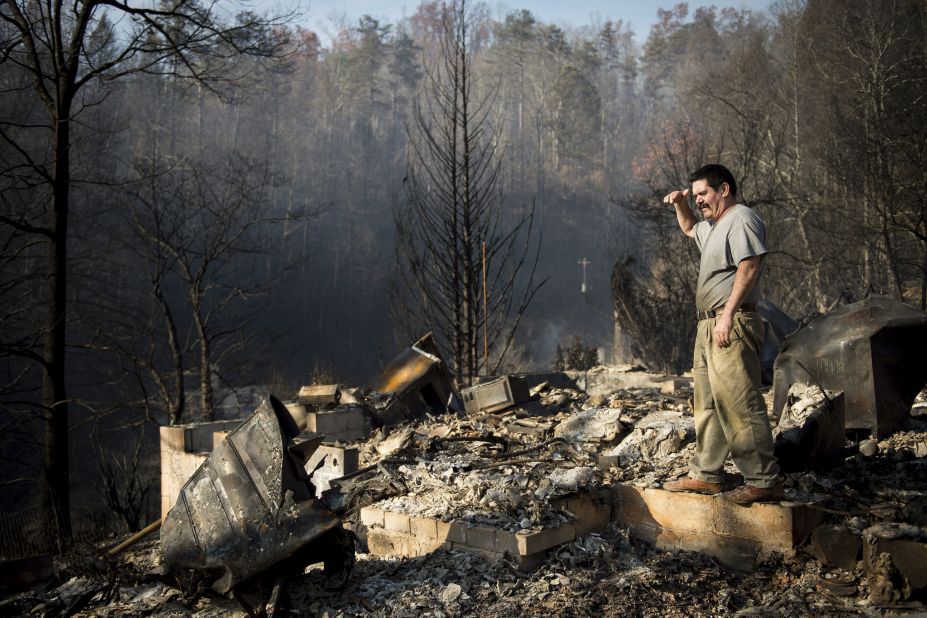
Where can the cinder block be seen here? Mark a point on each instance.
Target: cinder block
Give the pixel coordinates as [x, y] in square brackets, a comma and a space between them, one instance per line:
[339, 460]
[166, 505]
[507, 543]
[397, 522]
[479, 537]
[382, 542]
[371, 516]
[199, 436]
[535, 542]
[176, 469]
[319, 394]
[324, 422]
[424, 527]
[451, 532]
[592, 512]
[487, 554]
[674, 385]
[298, 412]
[172, 438]
[428, 534]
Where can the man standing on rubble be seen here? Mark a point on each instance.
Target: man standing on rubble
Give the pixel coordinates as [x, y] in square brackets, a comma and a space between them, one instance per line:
[730, 413]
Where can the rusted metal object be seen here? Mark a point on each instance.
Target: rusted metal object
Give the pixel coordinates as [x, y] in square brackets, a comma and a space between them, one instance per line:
[416, 382]
[250, 506]
[875, 351]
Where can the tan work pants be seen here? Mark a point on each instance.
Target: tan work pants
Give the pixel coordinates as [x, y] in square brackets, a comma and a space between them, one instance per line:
[730, 413]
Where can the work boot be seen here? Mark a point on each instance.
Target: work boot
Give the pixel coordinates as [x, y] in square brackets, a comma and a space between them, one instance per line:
[748, 494]
[693, 485]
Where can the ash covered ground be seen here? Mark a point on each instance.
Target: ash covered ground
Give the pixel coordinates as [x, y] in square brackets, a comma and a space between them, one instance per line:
[536, 454]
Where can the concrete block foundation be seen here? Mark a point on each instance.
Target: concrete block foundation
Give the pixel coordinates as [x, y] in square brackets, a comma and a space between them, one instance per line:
[733, 534]
[337, 461]
[398, 534]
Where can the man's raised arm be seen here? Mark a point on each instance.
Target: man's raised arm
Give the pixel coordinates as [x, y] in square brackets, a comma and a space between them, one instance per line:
[684, 214]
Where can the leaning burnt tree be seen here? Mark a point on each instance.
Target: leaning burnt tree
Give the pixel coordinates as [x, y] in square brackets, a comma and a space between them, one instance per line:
[453, 208]
[57, 60]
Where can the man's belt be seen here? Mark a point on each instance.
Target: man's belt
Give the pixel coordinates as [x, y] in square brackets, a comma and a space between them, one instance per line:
[713, 313]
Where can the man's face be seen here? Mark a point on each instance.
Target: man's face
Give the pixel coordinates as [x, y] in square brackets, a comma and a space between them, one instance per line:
[708, 200]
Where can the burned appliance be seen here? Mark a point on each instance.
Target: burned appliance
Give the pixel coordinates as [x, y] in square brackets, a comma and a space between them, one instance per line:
[251, 507]
[875, 351]
[495, 395]
[414, 383]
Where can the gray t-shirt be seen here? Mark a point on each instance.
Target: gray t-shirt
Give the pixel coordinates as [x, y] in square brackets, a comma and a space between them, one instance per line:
[740, 234]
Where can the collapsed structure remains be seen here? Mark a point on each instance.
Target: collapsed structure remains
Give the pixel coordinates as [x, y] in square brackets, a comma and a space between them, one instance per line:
[526, 490]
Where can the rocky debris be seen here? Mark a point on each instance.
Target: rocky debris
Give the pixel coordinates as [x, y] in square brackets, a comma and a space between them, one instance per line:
[398, 440]
[605, 574]
[572, 479]
[895, 555]
[461, 487]
[599, 425]
[654, 437]
[488, 470]
[810, 433]
[868, 447]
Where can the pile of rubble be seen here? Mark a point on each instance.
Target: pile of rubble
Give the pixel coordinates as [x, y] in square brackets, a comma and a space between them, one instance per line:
[487, 470]
[527, 494]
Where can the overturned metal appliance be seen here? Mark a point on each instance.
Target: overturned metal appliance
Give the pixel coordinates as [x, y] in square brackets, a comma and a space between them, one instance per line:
[494, 395]
[417, 381]
[875, 351]
[777, 325]
[251, 506]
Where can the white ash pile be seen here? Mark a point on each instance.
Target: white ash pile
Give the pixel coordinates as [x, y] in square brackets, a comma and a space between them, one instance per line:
[488, 470]
[655, 436]
[504, 469]
[512, 497]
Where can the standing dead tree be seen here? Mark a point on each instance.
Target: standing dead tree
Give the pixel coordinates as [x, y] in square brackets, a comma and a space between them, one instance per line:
[66, 55]
[453, 205]
[200, 230]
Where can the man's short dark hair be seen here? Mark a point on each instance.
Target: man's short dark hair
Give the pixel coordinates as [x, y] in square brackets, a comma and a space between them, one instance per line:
[715, 175]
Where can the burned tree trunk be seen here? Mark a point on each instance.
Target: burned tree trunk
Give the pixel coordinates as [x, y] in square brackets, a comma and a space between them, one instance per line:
[452, 205]
[64, 52]
[56, 498]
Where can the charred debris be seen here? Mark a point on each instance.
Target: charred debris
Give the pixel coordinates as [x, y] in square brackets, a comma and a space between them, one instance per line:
[537, 494]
